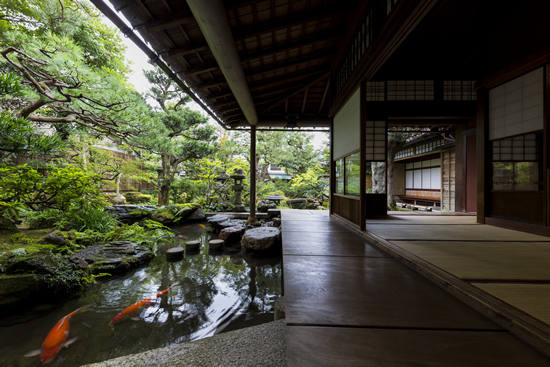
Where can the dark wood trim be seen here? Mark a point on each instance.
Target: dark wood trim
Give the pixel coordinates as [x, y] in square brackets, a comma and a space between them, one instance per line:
[332, 182]
[482, 132]
[519, 226]
[362, 156]
[546, 145]
[518, 68]
[181, 17]
[460, 171]
[403, 22]
[348, 196]
[345, 155]
[252, 217]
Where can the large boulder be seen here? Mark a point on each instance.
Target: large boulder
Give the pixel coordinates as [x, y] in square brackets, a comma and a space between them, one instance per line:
[20, 288]
[216, 220]
[232, 223]
[118, 256]
[232, 235]
[196, 215]
[265, 205]
[131, 213]
[260, 239]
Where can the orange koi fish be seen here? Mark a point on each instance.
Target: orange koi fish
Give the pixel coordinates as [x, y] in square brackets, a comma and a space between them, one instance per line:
[201, 225]
[191, 225]
[57, 338]
[136, 306]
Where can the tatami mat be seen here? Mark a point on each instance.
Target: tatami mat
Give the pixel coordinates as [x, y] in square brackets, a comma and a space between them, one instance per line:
[424, 219]
[533, 299]
[485, 260]
[454, 232]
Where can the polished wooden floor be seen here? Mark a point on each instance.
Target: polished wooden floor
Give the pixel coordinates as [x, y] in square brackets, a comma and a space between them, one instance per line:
[349, 304]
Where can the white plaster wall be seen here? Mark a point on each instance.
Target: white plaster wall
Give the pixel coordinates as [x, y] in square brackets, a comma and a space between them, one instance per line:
[347, 126]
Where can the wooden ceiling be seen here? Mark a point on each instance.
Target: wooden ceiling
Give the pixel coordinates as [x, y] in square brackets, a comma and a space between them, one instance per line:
[286, 50]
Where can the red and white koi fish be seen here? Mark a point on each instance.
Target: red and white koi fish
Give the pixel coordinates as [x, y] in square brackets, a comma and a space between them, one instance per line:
[57, 338]
[136, 306]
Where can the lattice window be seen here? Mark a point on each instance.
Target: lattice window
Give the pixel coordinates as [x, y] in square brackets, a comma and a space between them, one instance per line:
[429, 146]
[360, 43]
[375, 146]
[410, 90]
[523, 148]
[404, 153]
[376, 91]
[459, 90]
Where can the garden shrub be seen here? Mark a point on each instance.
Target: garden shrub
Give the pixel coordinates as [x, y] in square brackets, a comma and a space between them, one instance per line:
[46, 218]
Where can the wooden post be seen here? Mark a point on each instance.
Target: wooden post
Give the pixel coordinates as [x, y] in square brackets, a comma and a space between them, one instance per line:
[252, 217]
[362, 155]
[482, 171]
[332, 178]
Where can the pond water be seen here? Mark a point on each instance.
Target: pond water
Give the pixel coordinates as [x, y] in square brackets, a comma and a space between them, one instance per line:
[213, 293]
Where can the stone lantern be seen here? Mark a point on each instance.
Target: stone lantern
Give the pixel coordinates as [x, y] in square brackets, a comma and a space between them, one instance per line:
[238, 176]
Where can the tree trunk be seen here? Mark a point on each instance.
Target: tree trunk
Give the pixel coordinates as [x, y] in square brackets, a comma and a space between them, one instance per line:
[378, 177]
[264, 172]
[165, 180]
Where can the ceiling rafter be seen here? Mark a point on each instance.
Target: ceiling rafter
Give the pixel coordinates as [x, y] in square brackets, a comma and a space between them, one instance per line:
[313, 82]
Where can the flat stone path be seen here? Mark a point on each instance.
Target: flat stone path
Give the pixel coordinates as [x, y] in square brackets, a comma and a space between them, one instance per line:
[350, 304]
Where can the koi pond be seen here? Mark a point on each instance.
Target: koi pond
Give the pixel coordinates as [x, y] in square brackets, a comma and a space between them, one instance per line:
[212, 293]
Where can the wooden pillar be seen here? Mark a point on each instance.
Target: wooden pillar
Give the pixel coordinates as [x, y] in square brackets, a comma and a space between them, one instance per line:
[332, 178]
[460, 167]
[545, 146]
[482, 143]
[362, 162]
[252, 217]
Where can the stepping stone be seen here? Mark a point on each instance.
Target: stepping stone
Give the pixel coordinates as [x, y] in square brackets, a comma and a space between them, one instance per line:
[193, 245]
[260, 239]
[174, 252]
[215, 244]
[232, 235]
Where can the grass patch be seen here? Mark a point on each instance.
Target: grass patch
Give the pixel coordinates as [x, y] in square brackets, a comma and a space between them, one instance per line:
[23, 238]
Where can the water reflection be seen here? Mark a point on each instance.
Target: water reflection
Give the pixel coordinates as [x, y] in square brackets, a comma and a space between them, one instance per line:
[213, 293]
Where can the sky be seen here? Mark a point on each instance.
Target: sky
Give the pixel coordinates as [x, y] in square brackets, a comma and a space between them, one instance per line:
[140, 83]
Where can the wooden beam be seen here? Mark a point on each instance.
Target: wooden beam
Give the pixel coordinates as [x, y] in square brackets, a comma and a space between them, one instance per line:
[319, 13]
[305, 100]
[181, 17]
[324, 37]
[212, 20]
[188, 50]
[210, 83]
[324, 96]
[313, 82]
[280, 66]
[201, 69]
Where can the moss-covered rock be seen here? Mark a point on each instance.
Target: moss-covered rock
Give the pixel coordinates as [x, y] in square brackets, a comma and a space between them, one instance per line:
[137, 198]
[38, 276]
[16, 289]
[118, 257]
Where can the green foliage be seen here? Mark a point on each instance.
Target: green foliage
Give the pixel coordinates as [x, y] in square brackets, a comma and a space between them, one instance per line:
[137, 198]
[139, 235]
[46, 218]
[61, 188]
[308, 184]
[93, 219]
[92, 277]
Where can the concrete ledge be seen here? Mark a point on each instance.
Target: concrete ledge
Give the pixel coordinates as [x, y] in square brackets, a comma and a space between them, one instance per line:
[261, 345]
